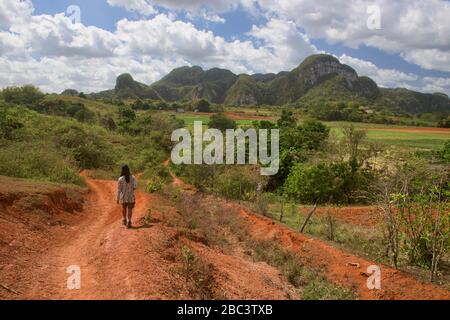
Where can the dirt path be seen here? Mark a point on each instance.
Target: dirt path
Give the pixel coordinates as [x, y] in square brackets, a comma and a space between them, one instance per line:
[112, 259]
[141, 263]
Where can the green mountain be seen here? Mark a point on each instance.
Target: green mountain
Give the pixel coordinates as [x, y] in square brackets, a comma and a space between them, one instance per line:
[193, 83]
[246, 91]
[319, 79]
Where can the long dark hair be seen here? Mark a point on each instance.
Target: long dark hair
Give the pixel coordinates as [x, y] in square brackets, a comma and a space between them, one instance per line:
[126, 173]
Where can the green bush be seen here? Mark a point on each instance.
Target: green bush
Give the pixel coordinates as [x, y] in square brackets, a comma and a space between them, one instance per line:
[239, 183]
[22, 95]
[9, 124]
[203, 106]
[445, 152]
[326, 183]
[36, 161]
[89, 150]
[63, 108]
[221, 122]
[154, 185]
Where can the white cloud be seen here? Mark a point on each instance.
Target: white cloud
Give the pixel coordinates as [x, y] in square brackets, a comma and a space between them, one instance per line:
[289, 45]
[383, 77]
[418, 30]
[58, 36]
[86, 74]
[429, 58]
[57, 52]
[409, 27]
[192, 5]
[142, 6]
[204, 9]
[53, 52]
[13, 12]
[436, 84]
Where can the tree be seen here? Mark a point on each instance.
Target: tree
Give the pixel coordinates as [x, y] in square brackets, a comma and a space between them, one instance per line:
[287, 119]
[414, 205]
[221, 122]
[352, 141]
[126, 114]
[310, 183]
[203, 105]
[444, 122]
[8, 124]
[309, 136]
[22, 95]
[445, 152]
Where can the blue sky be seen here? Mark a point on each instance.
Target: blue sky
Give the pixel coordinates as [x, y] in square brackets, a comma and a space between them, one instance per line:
[411, 48]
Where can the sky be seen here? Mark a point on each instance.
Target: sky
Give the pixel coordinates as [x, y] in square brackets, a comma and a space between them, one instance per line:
[86, 44]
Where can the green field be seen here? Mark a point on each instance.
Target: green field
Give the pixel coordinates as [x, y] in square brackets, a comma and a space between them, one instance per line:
[385, 134]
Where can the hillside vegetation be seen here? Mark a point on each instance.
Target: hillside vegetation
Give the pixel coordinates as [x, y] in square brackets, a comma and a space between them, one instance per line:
[319, 82]
[53, 137]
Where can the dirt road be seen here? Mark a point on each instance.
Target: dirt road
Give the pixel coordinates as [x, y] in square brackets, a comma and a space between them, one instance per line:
[112, 259]
[145, 262]
[141, 263]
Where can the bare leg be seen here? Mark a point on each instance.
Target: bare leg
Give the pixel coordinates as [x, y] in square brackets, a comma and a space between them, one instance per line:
[124, 214]
[130, 214]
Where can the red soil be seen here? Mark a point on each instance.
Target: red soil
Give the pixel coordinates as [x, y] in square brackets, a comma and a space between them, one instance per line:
[365, 216]
[341, 267]
[117, 263]
[415, 130]
[144, 262]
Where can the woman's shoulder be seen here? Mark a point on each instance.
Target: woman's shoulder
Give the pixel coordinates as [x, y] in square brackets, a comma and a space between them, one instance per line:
[121, 179]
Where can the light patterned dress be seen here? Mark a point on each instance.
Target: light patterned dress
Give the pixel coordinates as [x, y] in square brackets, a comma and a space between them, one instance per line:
[125, 191]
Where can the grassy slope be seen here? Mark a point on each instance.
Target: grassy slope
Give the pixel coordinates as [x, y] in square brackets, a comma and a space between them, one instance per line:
[39, 150]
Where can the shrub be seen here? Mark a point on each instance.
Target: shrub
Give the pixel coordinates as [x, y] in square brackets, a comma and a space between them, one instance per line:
[203, 106]
[89, 150]
[22, 95]
[9, 124]
[221, 122]
[238, 183]
[326, 183]
[310, 183]
[63, 108]
[154, 184]
[445, 152]
[36, 161]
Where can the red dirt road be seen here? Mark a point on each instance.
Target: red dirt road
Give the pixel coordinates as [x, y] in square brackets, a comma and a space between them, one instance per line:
[144, 263]
[141, 263]
[111, 258]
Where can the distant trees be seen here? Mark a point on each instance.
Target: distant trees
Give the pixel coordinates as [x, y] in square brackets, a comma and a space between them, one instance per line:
[60, 107]
[22, 95]
[221, 122]
[445, 152]
[344, 181]
[444, 122]
[203, 105]
[9, 124]
[287, 119]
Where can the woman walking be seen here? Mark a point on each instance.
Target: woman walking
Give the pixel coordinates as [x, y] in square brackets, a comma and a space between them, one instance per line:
[125, 194]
